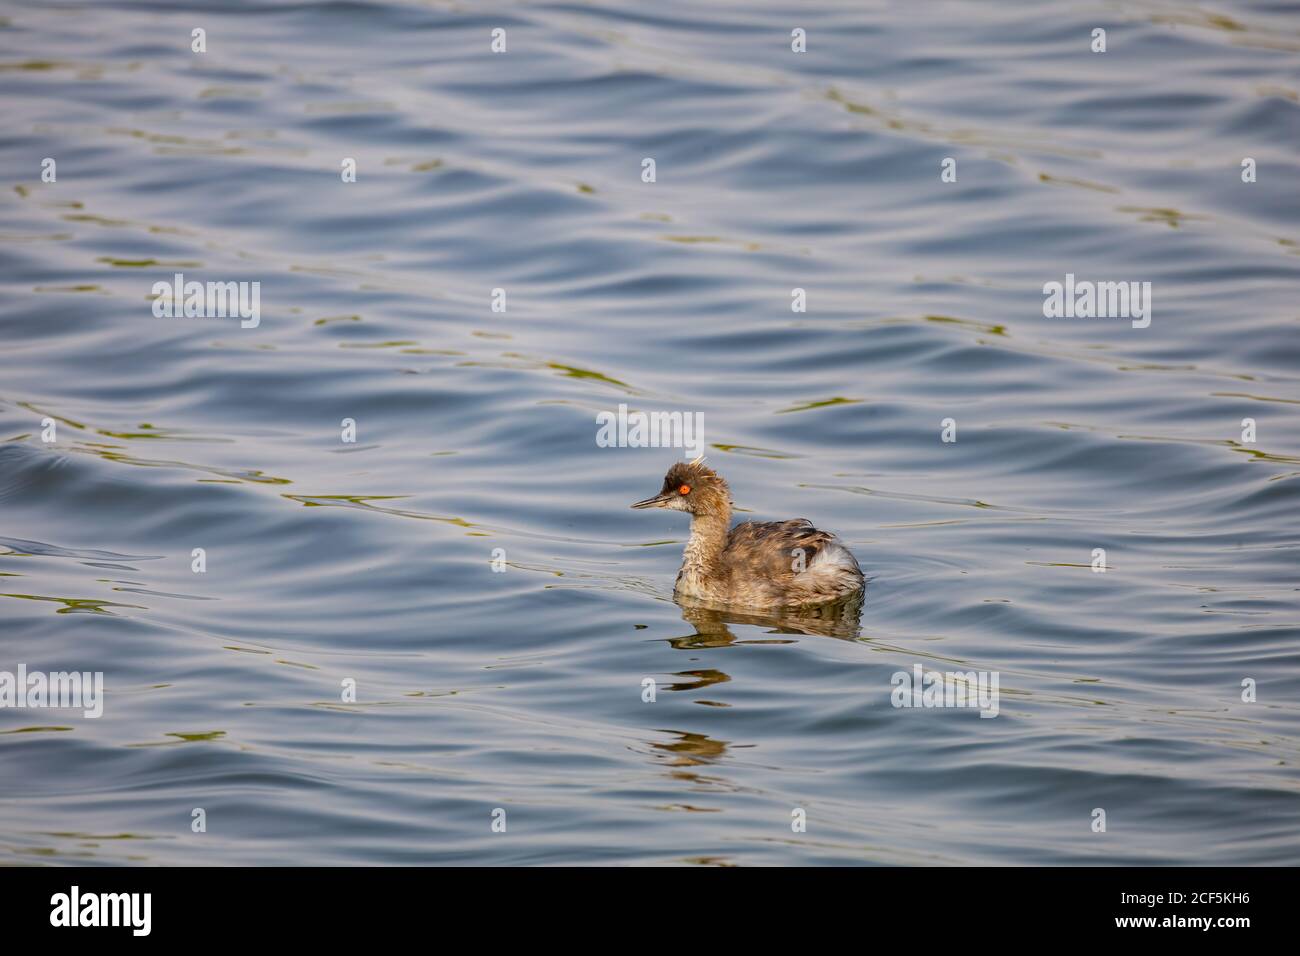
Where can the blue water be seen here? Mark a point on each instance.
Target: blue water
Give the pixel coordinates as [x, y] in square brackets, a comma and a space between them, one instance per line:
[521, 690]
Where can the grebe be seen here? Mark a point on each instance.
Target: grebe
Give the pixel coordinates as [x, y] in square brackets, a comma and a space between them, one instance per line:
[755, 564]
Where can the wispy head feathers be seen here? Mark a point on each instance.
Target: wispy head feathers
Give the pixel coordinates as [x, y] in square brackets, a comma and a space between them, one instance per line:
[709, 492]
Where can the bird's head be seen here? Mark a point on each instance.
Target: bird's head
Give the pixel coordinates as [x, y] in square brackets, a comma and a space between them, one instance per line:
[693, 487]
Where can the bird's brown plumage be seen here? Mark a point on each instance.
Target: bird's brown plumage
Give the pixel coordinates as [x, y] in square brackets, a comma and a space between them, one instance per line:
[755, 564]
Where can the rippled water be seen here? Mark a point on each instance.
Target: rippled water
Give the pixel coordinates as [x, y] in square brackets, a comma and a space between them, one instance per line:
[522, 171]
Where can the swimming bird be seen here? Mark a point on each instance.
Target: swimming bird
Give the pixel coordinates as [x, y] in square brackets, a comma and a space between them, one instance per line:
[764, 564]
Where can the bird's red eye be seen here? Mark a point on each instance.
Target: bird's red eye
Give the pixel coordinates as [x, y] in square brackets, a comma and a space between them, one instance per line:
[684, 490]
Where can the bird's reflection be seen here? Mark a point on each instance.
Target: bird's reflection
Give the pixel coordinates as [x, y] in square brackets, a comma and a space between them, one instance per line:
[841, 620]
[698, 679]
[690, 749]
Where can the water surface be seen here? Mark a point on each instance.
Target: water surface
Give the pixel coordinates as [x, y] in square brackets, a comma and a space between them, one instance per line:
[522, 689]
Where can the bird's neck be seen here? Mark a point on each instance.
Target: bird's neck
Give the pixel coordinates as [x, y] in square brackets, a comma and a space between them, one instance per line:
[703, 553]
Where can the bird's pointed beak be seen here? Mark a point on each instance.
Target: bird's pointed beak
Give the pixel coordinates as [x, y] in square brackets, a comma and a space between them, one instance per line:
[658, 501]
